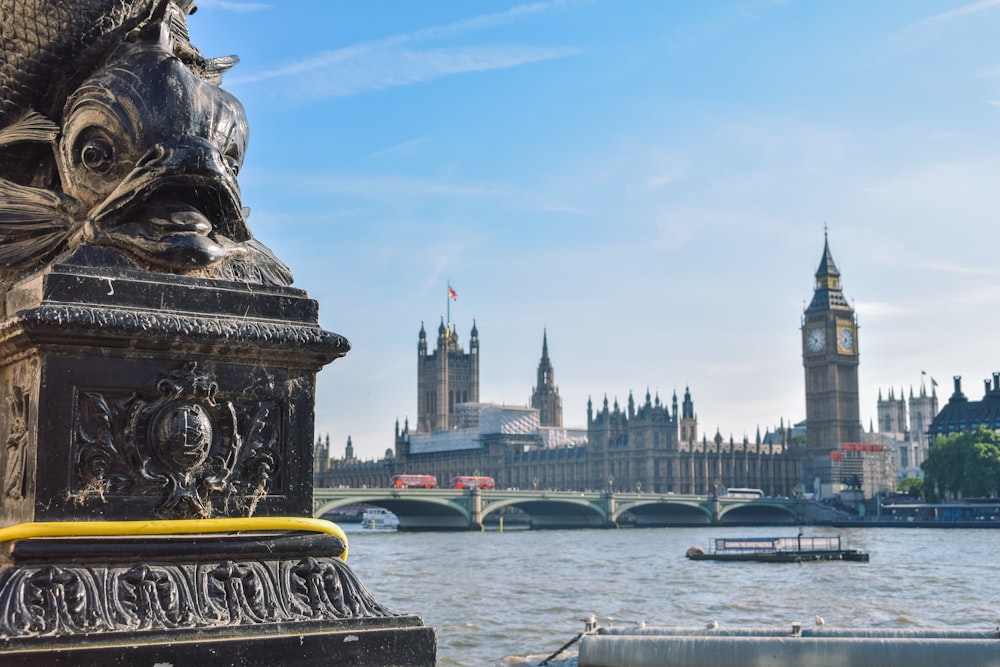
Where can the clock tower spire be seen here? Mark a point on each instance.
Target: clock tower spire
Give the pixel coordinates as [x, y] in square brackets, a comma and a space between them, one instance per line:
[830, 358]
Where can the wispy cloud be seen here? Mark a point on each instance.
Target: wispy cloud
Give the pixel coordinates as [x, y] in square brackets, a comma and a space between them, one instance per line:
[230, 5]
[966, 10]
[564, 208]
[924, 33]
[378, 71]
[938, 266]
[397, 60]
[881, 310]
[950, 15]
[380, 188]
[659, 181]
[403, 148]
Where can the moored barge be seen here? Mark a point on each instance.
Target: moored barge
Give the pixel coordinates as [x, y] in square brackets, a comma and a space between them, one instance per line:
[796, 549]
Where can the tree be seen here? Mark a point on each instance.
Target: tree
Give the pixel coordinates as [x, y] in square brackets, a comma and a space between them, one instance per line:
[910, 486]
[963, 465]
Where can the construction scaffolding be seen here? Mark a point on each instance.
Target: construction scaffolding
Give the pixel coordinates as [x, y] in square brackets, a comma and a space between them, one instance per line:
[863, 466]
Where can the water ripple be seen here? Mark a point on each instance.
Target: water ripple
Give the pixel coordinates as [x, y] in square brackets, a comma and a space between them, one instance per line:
[515, 598]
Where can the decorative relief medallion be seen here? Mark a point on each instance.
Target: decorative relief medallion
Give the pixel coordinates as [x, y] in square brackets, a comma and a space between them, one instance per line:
[181, 440]
[79, 600]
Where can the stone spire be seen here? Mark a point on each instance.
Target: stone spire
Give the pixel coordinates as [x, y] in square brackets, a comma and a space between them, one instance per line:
[545, 395]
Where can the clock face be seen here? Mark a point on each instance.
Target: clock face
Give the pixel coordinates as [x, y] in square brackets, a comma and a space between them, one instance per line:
[845, 338]
[815, 340]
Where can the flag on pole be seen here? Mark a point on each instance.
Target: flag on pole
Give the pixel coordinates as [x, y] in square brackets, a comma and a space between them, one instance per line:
[933, 382]
[452, 293]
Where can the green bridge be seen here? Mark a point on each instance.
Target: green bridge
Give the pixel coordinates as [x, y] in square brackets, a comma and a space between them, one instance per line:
[458, 509]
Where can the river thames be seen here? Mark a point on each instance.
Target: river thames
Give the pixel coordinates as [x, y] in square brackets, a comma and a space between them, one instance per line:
[515, 597]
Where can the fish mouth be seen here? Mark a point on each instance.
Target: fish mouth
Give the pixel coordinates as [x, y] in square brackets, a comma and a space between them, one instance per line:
[203, 205]
[179, 208]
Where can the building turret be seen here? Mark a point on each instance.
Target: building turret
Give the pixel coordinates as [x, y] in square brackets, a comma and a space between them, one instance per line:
[545, 395]
[445, 378]
[830, 359]
[321, 463]
[688, 422]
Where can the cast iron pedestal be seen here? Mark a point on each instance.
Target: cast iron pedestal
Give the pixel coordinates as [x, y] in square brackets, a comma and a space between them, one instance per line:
[157, 436]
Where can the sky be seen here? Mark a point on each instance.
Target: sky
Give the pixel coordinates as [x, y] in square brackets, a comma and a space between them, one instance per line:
[647, 182]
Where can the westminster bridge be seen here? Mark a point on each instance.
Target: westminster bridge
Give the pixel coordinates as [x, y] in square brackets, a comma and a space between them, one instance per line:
[461, 509]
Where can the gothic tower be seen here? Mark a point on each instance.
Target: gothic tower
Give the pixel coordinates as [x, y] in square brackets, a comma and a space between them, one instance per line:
[446, 377]
[688, 422]
[830, 357]
[545, 395]
[892, 413]
[923, 410]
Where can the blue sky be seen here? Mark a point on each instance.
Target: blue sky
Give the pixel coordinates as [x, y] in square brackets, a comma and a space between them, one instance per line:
[647, 181]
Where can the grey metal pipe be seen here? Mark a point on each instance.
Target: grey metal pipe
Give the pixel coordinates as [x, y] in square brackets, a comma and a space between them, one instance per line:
[648, 650]
[820, 632]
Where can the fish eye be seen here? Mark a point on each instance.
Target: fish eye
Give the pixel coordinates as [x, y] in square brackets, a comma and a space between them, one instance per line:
[97, 155]
[233, 161]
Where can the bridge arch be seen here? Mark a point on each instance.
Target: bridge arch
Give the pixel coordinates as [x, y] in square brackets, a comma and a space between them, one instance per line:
[654, 512]
[455, 509]
[416, 511]
[561, 511]
[758, 513]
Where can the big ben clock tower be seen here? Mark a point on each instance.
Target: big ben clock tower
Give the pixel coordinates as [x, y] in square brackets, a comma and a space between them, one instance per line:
[830, 357]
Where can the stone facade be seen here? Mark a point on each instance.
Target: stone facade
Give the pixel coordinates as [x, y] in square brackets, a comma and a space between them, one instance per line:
[445, 378]
[830, 358]
[903, 425]
[650, 447]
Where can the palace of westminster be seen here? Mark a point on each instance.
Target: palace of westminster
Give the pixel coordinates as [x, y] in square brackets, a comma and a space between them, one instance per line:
[653, 445]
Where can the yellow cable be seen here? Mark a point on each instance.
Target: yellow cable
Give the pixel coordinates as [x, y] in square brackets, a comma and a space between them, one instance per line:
[23, 531]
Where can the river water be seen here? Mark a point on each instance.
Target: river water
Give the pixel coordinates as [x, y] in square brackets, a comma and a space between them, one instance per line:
[513, 598]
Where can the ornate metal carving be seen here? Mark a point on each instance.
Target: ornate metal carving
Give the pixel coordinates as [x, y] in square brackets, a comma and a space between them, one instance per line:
[239, 593]
[146, 597]
[180, 440]
[139, 152]
[79, 600]
[52, 600]
[318, 590]
[16, 446]
[132, 322]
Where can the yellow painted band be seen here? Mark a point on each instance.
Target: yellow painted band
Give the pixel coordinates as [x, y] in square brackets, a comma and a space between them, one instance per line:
[23, 531]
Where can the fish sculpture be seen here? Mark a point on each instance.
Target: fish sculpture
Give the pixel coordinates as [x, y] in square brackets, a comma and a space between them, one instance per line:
[48, 45]
[137, 164]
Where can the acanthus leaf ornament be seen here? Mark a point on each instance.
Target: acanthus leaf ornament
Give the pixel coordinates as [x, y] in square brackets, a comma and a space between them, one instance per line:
[142, 597]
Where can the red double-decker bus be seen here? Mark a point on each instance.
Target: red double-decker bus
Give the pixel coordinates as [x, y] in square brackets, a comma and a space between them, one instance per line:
[413, 481]
[472, 482]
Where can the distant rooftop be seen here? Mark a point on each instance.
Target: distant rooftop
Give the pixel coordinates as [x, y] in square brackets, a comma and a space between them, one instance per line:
[477, 420]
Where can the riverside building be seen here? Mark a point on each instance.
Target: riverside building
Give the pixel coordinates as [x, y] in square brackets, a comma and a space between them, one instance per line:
[904, 424]
[830, 358]
[648, 446]
[652, 445]
[960, 414]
